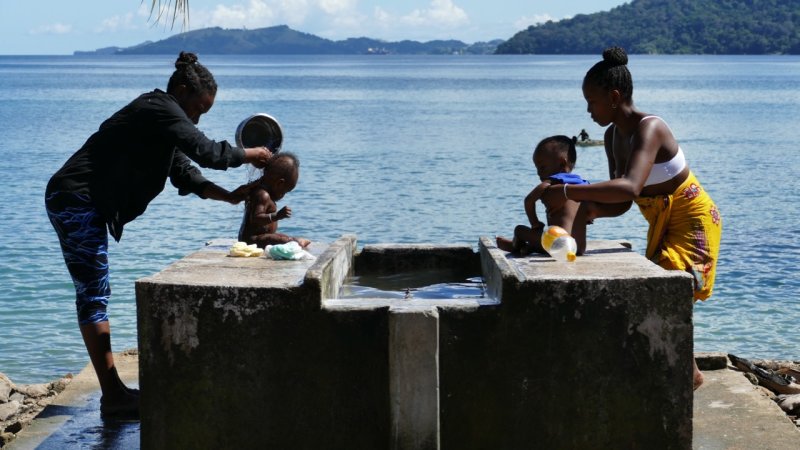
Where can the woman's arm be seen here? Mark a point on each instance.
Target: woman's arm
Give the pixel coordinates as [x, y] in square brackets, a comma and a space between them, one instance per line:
[644, 148]
[176, 127]
[215, 192]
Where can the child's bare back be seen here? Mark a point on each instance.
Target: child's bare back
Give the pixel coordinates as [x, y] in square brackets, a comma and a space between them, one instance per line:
[564, 216]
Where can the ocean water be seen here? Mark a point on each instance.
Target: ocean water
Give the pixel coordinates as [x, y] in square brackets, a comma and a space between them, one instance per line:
[403, 149]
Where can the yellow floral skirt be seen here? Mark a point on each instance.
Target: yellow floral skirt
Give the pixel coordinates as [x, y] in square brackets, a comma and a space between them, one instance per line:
[685, 233]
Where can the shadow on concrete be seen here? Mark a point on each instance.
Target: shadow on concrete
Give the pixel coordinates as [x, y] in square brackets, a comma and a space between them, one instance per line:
[86, 429]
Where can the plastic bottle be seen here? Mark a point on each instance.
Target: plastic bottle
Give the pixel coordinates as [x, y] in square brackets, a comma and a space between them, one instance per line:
[559, 244]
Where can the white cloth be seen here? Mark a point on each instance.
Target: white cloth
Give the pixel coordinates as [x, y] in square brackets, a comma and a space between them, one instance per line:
[290, 250]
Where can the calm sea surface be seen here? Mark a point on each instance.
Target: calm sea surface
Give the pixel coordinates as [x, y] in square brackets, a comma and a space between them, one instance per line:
[403, 149]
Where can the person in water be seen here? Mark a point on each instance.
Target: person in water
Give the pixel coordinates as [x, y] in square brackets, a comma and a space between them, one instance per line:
[110, 181]
[261, 214]
[646, 166]
[554, 158]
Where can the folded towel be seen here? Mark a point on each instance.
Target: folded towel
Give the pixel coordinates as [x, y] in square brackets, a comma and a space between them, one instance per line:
[241, 249]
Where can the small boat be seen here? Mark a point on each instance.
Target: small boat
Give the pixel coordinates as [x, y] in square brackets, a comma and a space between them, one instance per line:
[589, 142]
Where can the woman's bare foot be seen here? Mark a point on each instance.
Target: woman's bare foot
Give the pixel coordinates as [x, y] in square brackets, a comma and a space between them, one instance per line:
[697, 376]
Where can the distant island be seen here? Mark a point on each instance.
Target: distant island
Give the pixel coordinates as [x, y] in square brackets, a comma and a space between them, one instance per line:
[282, 40]
[732, 27]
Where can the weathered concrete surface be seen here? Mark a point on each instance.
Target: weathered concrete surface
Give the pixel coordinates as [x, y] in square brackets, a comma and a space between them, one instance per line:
[728, 415]
[732, 414]
[593, 354]
[253, 352]
[326, 276]
[237, 353]
[414, 377]
[711, 360]
[394, 258]
[72, 420]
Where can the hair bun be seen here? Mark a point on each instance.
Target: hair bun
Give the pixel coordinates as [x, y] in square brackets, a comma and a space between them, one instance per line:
[185, 59]
[615, 56]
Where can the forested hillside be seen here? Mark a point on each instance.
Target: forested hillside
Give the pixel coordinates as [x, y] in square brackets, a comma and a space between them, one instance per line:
[283, 40]
[671, 26]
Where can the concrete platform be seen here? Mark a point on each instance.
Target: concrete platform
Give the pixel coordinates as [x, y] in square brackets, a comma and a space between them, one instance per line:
[72, 420]
[729, 414]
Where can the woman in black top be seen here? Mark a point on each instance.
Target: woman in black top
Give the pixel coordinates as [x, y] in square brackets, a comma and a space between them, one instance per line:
[110, 181]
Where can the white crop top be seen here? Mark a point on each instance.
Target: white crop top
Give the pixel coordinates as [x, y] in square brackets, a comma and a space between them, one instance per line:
[661, 172]
[667, 170]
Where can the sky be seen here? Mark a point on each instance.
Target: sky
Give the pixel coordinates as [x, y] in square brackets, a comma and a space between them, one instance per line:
[58, 27]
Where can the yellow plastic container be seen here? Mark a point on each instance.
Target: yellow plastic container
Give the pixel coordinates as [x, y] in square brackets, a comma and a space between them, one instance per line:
[559, 244]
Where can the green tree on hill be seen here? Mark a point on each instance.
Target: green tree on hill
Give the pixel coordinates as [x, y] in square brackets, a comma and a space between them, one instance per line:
[670, 26]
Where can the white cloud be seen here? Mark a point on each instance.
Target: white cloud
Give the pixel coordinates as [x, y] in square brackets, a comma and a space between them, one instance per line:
[524, 22]
[119, 23]
[55, 28]
[442, 13]
[381, 15]
[426, 23]
[262, 13]
[335, 19]
[334, 7]
[254, 14]
[294, 12]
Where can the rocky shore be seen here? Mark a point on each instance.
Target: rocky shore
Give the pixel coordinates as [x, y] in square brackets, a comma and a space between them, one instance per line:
[778, 380]
[21, 403]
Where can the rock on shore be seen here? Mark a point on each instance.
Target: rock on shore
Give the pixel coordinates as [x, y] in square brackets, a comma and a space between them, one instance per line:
[778, 380]
[20, 403]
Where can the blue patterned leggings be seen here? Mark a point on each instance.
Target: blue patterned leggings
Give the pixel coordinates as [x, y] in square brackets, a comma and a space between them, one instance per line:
[84, 243]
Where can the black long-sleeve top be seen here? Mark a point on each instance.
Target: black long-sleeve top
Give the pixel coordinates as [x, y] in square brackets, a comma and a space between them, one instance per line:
[125, 164]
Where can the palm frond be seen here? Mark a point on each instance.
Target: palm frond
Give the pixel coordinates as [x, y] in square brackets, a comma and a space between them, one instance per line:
[162, 9]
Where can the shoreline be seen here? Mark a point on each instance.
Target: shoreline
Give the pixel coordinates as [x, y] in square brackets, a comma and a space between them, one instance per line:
[22, 404]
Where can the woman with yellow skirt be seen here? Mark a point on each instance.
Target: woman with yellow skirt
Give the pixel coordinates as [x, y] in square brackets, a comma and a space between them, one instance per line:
[646, 166]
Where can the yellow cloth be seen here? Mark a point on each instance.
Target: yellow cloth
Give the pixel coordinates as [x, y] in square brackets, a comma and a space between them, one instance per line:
[685, 232]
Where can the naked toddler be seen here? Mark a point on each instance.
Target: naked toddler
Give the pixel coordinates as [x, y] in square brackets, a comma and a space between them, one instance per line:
[261, 214]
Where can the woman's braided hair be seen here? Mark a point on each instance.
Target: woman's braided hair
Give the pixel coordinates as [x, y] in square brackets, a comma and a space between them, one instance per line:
[612, 72]
[190, 73]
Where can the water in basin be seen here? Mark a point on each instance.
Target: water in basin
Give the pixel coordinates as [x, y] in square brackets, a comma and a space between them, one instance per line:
[429, 284]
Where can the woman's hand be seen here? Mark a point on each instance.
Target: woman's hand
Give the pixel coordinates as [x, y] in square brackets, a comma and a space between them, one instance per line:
[240, 193]
[553, 197]
[257, 156]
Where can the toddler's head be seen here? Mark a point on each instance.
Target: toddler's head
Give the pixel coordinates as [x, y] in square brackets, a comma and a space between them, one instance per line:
[555, 154]
[280, 174]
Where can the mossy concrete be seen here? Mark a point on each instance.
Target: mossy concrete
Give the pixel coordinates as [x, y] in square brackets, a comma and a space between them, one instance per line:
[239, 352]
[591, 354]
